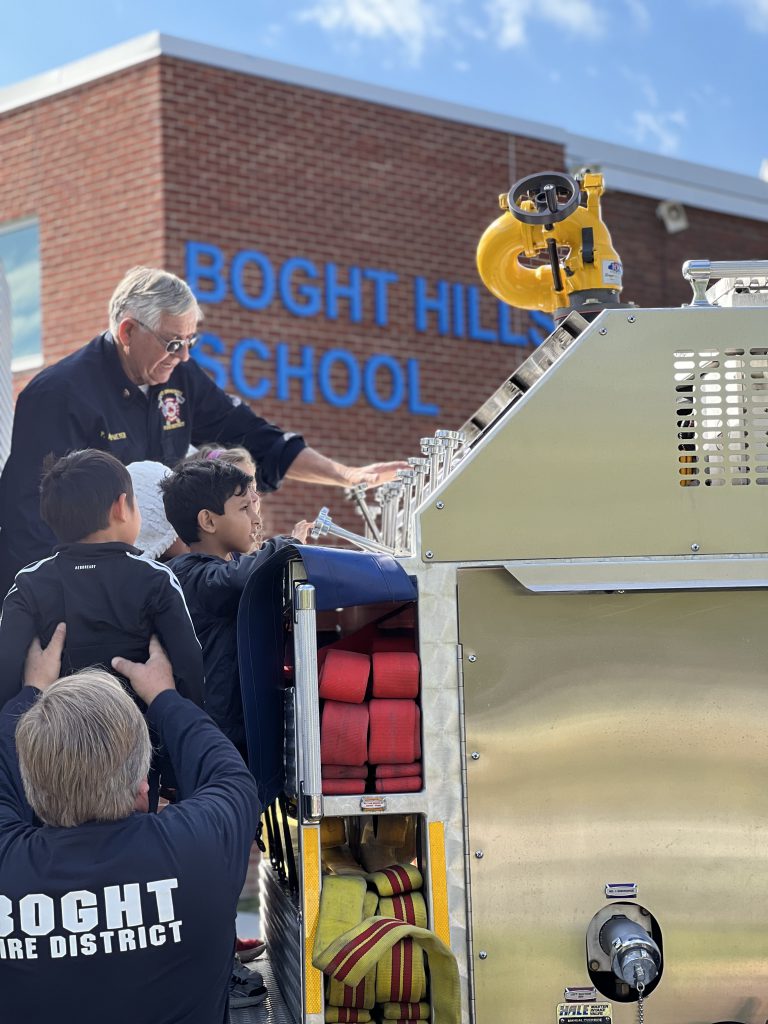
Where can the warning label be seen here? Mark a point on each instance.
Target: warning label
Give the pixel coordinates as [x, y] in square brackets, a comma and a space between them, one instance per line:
[595, 1013]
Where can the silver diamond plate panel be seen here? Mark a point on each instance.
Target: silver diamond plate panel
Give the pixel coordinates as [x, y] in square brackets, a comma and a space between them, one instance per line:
[274, 1009]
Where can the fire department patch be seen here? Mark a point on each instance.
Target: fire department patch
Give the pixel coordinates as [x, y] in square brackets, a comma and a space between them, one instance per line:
[170, 401]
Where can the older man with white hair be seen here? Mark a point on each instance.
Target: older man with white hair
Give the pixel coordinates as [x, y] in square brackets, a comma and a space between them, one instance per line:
[105, 913]
[134, 392]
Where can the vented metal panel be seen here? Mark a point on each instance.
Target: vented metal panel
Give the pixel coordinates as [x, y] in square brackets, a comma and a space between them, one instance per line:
[586, 463]
[722, 416]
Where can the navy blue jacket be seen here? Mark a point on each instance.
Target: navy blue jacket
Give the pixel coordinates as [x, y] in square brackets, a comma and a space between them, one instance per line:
[134, 920]
[213, 588]
[86, 401]
[112, 601]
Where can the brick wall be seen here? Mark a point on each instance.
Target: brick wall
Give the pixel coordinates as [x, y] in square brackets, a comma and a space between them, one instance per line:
[130, 168]
[87, 164]
[251, 163]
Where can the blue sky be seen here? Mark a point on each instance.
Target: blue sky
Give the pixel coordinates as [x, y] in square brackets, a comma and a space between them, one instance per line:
[684, 78]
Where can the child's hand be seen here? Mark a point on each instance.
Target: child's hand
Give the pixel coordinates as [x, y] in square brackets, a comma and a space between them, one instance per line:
[150, 678]
[43, 667]
[301, 531]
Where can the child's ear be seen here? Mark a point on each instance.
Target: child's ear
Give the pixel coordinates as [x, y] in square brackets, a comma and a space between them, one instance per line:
[121, 509]
[205, 521]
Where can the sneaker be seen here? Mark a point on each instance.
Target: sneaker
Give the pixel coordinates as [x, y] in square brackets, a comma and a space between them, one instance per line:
[240, 996]
[246, 987]
[245, 976]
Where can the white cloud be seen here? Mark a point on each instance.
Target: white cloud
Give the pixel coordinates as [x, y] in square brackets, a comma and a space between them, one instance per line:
[755, 12]
[469, 27]
[658, 129]
[410, 22]
[639, 13]
[510, 18]
[644, 84]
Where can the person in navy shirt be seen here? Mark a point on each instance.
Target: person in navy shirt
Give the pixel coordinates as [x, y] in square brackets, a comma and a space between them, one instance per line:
[106, 912]
[133, 391]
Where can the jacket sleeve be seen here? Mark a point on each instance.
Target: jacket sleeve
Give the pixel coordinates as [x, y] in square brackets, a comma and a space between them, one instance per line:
[220, 417]
[220, 584]
[14, 808]
[177, 635]
[44, 423]
[17, 631]
[217, 791]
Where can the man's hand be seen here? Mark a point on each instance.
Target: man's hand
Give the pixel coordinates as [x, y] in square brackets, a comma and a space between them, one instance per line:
[314, 468]
[150, 678]
[43, 667]
[374, 475]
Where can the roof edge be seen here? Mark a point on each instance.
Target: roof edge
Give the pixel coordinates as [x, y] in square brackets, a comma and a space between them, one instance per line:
[80, 72]
[635, 171]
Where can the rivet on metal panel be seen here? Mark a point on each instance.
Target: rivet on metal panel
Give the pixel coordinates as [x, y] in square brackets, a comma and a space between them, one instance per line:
[479, 854]
[694, 548]
[483, 955]
[439, 504]
[475, 755]
[472, 657]
[429, 554]
[631, 319]
[603, 330]
[594, 965]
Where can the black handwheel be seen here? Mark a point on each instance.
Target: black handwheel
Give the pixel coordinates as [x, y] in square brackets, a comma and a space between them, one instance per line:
[555, 196]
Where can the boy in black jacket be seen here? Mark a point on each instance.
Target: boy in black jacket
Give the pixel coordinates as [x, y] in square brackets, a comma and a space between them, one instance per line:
[110, 598]
[213, 508]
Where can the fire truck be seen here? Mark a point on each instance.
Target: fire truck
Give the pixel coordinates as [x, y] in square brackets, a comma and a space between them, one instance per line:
[564, 601]
[510, 737]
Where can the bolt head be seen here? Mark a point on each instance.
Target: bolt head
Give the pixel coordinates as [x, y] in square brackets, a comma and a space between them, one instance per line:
[694, 548]
[479, 854]
[472, 657]
[483, 955]
[439, 504]
[603, 330]
[594, 965]
[631, 319]
[429, 554]
[475, 755]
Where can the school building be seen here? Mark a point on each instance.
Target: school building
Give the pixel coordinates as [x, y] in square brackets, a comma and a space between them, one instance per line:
[327, 226]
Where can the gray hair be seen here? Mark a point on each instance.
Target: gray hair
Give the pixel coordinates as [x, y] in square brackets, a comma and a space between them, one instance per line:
[146, 293]
[83, 750]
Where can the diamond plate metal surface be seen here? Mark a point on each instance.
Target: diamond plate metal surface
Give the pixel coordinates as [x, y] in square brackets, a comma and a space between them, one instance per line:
[273, 1010]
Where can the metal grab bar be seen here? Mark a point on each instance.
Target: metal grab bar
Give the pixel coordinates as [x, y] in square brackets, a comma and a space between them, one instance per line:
[701, 272]
[325, 525]
[307, 704]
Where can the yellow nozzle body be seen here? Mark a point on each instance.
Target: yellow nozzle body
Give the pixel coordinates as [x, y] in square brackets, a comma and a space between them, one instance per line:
[583, 232]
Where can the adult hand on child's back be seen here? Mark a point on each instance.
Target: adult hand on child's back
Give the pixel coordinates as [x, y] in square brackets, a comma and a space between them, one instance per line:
[43, 665]
[149, 678]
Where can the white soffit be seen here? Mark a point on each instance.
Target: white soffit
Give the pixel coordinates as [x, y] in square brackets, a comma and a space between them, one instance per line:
[626, 170]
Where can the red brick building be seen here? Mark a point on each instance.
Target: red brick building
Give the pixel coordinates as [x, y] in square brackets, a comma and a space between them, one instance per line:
[329, 228]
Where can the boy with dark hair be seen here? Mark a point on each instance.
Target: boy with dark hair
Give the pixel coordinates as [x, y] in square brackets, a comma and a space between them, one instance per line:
[110, 598]
[213, 508]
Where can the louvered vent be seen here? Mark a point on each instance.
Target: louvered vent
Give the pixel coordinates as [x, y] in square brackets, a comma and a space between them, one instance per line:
[722, 417]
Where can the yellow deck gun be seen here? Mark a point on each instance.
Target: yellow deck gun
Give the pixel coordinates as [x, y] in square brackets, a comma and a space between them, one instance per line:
[556, 216]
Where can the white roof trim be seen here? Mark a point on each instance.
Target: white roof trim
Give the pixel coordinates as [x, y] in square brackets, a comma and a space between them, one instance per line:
[626, 169]
[79, 72]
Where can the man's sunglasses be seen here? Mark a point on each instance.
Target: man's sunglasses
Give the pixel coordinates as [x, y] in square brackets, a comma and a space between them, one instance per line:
[171, 345]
